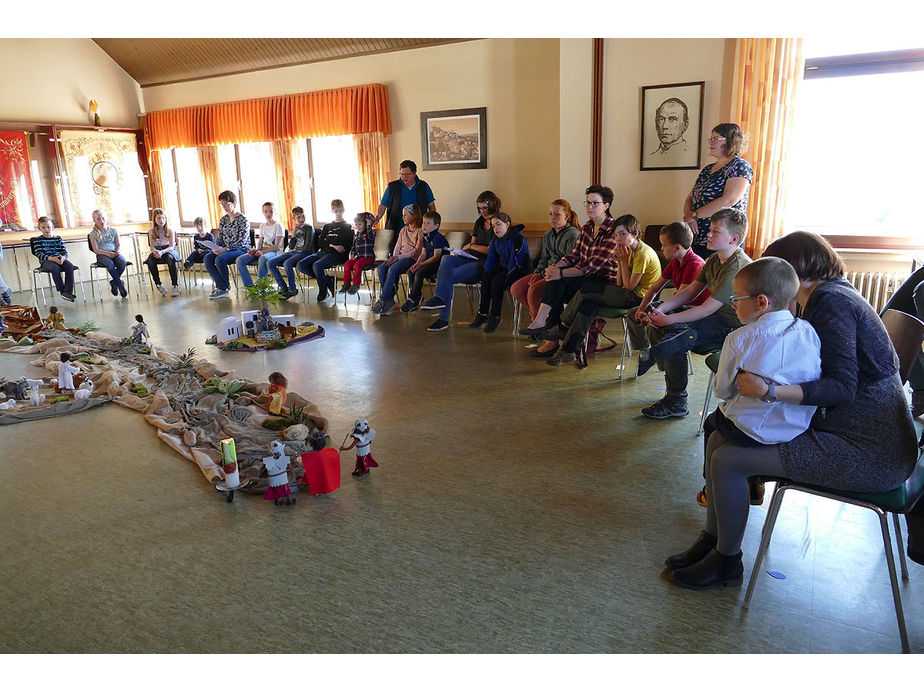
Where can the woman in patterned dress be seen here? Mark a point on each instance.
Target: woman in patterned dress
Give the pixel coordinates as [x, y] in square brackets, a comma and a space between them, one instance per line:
[726, 183]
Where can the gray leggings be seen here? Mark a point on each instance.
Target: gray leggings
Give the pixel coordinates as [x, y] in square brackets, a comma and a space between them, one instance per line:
[727, 470]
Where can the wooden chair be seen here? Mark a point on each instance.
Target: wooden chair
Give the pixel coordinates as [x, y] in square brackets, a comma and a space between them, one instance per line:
[906, 333]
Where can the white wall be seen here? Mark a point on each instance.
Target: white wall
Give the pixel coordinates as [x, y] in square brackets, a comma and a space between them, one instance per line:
[53, 80]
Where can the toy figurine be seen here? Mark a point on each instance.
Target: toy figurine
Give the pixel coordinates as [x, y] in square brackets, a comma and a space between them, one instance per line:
[276, 393]
[322, 466]
[140, 330]
[9, 404]
[15, 389]
[66, 373]
[35, 399]
[251, 332]
[84, 391]
[362, 438]
[54, 321]
[2, 325]
[277, 466]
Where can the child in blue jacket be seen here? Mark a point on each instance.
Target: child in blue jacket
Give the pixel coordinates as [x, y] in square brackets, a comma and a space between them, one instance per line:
[508, 260]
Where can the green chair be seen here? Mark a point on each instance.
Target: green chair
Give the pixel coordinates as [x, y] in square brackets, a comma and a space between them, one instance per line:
[614, 314]
[906, 333]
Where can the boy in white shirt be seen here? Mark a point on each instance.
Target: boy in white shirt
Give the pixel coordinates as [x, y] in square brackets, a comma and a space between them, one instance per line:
[269, 242]
[773, 345]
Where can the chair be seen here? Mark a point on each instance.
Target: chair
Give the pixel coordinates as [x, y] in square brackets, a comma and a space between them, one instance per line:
[94, 279]
[612, 313]
[712, 352]
[37, 286]
[906, 333]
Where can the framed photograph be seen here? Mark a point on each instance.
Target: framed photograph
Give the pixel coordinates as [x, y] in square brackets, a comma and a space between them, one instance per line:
[454, 139]
[672, 118]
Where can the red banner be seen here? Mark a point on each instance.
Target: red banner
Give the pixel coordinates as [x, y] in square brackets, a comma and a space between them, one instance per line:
[17, 196]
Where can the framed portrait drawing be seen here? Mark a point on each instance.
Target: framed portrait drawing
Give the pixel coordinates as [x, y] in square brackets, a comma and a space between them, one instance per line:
[454, 139]
[672, 117]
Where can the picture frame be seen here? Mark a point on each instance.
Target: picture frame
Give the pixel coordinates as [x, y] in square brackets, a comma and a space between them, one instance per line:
[454, 139]
[671, 126]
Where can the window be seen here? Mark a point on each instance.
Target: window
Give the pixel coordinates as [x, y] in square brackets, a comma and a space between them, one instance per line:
[324, 168]
[853, 172]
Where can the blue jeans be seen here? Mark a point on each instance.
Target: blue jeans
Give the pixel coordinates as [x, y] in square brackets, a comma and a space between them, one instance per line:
[454, 270]
[114, 265]
[670, 345]
[314, 266]
[217, 267]
[262, 269]
[388, 275]
[288, 261]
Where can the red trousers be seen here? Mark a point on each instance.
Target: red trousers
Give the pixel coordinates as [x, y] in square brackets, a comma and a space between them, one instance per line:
[528, 291]
[353, 269]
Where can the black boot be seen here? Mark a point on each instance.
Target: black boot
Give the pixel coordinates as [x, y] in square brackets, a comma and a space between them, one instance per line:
[714, 570]
[697, 552]
[480, 319]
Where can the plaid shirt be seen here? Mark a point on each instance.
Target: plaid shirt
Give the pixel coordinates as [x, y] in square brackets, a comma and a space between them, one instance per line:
[363, 244]
[595, 255]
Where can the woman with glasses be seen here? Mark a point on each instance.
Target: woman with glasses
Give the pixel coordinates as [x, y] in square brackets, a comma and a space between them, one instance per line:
[594, 253]
[726, 183]
[456, 269]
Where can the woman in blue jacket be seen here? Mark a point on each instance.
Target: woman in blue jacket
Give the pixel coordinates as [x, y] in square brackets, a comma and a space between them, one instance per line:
[508, 260]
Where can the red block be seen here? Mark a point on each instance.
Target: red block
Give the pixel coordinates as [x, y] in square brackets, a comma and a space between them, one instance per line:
[322, 471]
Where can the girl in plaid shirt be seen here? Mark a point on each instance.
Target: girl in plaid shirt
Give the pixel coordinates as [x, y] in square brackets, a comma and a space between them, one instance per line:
[362, 253]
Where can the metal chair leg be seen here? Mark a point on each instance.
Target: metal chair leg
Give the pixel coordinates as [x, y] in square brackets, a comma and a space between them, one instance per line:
[899, 545]
[709, 390]
[765, 535]
[893, 577]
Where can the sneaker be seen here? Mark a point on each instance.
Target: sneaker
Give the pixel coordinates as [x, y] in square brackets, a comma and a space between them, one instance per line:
[438, 325]
[645, 362]
[377, 307]
[552, 333]
[68, 296]
[114, 287]
[162, 289]
[353, 290]
[187, 265]
[322, 295]
[493, 322]
[122, 292]
[434, 303]
[214, 291]
[175, 291]
[288, 293]
[409, 306]
[666, 409]
[345, 289]
[562, 357]
[221, 293]
[480, 319]
[387, 306]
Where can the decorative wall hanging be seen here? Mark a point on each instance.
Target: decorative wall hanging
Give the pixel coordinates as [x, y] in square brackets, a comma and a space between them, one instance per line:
[672, 116]
[454, 139]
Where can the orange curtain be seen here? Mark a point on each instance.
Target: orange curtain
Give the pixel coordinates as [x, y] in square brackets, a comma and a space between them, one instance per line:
[208, 165]
[155, 177]
[768, 78]
[285, 179]
[372, 156]
[345, 111]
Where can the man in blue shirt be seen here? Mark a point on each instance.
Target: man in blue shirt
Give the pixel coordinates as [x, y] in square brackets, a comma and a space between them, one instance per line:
[407, 190]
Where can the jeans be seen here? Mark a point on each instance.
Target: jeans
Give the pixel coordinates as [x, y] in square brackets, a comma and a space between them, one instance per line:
[165, 259]
[288, 261]
[388, 275]
[196, 256]
[63, 284]
[314, 266]
[247, 259]
[455, 270]
[528, 291]
[493, 286]
[584, 305]
[670, 345]
[217, 267]
[416, 279]
[353, 270]
[114, 265]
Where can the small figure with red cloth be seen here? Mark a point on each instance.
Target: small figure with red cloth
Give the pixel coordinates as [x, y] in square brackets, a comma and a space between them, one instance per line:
[362, 439]
[277, 466]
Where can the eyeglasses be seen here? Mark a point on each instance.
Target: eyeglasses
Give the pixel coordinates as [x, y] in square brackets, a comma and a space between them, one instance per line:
[714, 139]
[734, 299]
[590, 203]
[481, 208]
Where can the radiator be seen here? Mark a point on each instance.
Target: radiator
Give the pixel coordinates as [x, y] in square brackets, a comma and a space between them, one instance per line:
[876, 287]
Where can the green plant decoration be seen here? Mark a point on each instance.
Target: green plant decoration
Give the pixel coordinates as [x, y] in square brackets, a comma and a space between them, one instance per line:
[265, 291]
[88, 326]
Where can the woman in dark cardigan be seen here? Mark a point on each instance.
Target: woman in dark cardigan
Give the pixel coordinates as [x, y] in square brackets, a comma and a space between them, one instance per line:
[862, 437]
